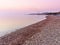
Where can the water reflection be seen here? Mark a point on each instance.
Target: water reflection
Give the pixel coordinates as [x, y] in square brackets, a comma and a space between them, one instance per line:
[10, 23]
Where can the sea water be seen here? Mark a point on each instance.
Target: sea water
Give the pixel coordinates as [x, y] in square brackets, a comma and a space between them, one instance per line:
[11, 22]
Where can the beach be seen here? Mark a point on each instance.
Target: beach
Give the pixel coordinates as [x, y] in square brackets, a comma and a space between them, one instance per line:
[46, 32]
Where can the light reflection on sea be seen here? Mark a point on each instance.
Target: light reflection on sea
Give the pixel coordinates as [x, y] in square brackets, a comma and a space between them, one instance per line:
[10, 23]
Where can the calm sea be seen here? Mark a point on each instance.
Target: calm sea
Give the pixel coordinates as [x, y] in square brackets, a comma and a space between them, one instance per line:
[10, 23]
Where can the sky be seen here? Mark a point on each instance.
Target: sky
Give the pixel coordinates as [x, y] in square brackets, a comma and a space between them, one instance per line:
[13, 12]
[29, 4]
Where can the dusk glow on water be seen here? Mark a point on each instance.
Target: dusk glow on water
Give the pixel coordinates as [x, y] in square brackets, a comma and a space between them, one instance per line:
[13, 13]
[9, 23]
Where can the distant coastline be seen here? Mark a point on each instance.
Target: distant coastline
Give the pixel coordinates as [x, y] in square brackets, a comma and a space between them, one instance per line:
[46, 13]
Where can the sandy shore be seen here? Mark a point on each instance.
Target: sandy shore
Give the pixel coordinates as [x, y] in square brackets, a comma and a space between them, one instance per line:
[35, 33]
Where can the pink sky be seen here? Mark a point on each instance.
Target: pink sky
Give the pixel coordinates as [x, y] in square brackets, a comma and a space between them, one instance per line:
[29, 4]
